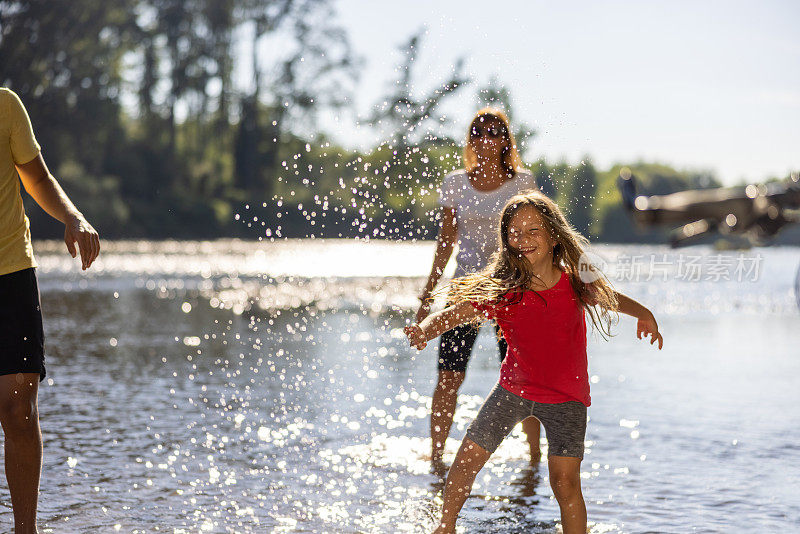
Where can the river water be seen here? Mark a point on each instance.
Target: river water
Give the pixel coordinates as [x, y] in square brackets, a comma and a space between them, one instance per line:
[234, 386]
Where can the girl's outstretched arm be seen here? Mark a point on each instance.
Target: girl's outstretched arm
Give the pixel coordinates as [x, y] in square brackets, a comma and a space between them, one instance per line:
[646, 325]
[440, 322]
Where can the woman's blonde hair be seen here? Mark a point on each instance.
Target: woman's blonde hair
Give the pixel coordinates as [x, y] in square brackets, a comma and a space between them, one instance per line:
[509, 274]
[510, 156]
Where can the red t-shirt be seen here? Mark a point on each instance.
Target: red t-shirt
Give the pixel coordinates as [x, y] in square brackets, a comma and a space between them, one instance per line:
[546, 334]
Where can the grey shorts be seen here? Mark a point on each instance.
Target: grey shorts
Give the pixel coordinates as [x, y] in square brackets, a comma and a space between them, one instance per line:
[564, 423]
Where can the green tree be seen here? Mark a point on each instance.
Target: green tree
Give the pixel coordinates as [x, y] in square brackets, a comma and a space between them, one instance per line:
[580, 196]
[560, 176]
[64, 60]
[544, 177]
[314, 70]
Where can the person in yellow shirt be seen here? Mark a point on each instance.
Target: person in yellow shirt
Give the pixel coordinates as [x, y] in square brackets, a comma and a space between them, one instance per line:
[21, 333]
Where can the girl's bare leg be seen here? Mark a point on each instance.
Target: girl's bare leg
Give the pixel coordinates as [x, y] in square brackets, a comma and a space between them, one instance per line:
[470, 459]
[565, 479]
[532, 430]
[443, 406]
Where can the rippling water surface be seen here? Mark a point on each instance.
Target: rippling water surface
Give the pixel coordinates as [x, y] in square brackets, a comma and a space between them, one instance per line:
[266, 387]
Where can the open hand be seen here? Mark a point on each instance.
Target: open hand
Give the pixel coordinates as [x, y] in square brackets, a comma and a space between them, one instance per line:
[416, 336]
[78, 230]
[648, 327]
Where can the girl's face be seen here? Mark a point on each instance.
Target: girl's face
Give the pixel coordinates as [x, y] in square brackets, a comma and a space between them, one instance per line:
[529, 236]
[489, 137]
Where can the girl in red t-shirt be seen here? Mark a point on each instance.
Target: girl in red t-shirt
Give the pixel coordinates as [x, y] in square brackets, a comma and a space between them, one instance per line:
[534, 290]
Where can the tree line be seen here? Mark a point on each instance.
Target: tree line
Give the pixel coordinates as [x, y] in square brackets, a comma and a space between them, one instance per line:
[201, 119]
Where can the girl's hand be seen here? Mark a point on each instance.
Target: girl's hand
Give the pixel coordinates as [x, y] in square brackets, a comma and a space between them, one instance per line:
[648, 326]
[416, 336]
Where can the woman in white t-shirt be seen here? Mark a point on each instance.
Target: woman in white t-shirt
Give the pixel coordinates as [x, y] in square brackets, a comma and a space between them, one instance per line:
[471, 200]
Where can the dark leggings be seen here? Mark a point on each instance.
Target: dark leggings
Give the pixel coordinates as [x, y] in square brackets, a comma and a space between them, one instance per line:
[455, 347]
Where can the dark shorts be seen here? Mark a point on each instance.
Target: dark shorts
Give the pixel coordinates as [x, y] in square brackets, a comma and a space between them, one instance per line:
[564, 423]
[455, 347]
[21, 332]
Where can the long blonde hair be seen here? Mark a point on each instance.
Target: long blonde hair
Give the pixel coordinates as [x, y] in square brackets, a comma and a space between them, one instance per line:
[509, 274]
[510, 156]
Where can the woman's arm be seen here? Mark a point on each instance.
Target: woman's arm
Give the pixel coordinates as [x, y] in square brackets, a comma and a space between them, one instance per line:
[46, 191]
[445, 242]
[646, 324]
[440, 322]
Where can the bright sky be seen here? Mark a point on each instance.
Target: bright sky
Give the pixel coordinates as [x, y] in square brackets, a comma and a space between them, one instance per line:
[696, 84]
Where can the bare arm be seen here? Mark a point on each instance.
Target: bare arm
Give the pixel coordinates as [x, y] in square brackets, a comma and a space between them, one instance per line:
[45, 190]
[628, 306]
[445, 242]
[436, 324]
[646, 322]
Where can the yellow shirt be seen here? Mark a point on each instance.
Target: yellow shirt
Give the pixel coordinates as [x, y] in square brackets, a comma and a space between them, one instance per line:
[17, 146]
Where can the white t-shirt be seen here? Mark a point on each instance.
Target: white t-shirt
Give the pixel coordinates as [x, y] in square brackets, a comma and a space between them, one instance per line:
[478, 215]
